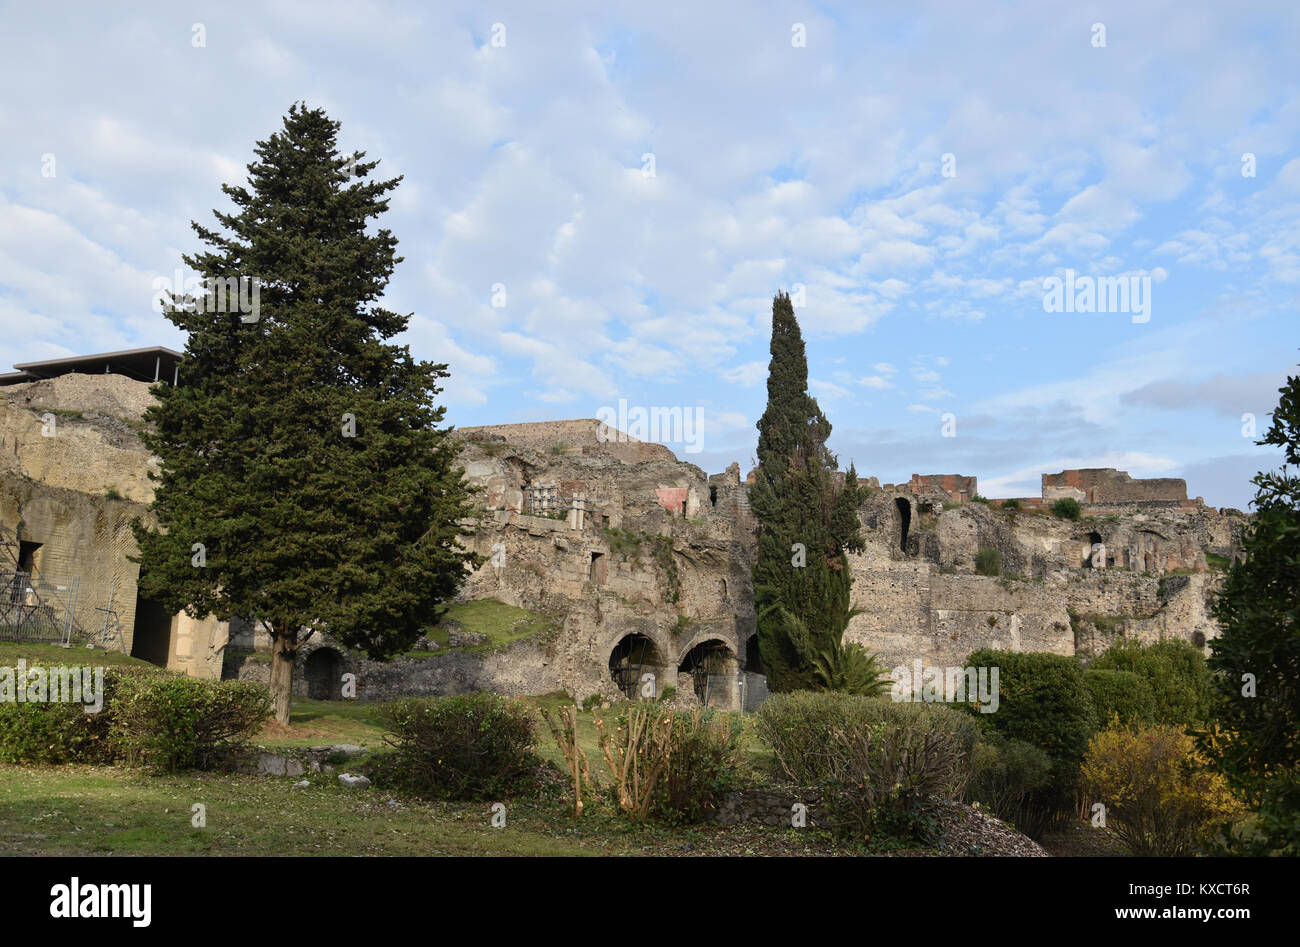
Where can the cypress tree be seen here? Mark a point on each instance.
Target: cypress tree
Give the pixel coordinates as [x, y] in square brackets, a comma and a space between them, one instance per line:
[1255, 696]
[304, 481]
[807, 524]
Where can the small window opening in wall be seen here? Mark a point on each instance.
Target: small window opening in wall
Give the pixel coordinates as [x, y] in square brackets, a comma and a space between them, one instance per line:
[597, 573]
[27, 555]
[683, 509]
[1094, 540]
[713, 494]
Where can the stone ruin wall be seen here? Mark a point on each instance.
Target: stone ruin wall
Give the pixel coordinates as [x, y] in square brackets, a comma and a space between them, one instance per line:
[1106, 485]
[922, 596]
[64, 443]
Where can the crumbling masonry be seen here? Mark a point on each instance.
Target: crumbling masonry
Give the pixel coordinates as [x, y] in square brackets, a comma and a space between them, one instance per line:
[640, 562]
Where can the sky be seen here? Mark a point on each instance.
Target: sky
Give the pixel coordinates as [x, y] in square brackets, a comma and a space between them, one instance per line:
[599, 201]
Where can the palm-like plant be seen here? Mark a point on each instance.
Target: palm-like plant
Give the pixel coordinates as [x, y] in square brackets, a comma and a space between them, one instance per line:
[843, 666]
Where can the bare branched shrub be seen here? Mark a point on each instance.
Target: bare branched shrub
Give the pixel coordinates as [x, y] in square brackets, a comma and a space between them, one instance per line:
[637, 754]
[565, 733]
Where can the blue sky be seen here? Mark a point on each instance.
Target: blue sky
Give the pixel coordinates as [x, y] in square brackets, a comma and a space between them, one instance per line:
[775, 166]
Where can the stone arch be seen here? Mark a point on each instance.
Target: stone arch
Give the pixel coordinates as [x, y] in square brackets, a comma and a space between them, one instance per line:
[712, 657]
[904, 521]
[632, 656]
[323, 670]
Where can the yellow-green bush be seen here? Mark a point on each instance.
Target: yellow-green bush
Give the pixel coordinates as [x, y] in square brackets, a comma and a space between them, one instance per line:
[1160, 797]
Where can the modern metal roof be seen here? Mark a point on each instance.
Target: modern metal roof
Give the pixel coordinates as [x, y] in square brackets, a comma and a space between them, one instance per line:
[156, 363]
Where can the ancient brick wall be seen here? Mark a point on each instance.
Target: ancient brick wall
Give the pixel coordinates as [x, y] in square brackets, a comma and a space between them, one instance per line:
[1108, 485]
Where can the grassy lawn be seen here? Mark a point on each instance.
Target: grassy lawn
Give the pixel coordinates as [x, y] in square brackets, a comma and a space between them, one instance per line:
[502, 624]
[86, 810]
[317, 722]
[53, 654]
[67, 810]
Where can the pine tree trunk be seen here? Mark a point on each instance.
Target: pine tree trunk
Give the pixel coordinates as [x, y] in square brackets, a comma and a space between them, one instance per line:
[284, 648]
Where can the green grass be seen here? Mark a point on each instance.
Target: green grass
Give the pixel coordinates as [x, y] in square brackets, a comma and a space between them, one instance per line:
[11, 651]
[1216, 562]
[317, 722]
[502, 624]
[68, 810]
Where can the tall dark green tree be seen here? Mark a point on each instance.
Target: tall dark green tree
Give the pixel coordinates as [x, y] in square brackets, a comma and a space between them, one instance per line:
[807, 525]
[1255, 737]
[305, 481]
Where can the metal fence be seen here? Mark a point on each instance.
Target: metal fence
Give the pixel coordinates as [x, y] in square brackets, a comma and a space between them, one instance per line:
[32, 609]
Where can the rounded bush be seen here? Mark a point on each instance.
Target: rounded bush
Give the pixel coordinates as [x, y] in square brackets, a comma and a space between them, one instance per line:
[1175, 672]
[1067, 508]
[473, 746]
[1160, 798]
[1120, 695]
[1043, 700]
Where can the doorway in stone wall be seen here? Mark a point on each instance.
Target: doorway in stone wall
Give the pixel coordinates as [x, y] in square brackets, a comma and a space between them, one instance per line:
[152, 638]
[324, 672]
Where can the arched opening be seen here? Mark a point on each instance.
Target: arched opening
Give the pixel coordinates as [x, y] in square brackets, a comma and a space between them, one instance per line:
[632, 657]
[1095, 555]
[753, 660]
[324, 672]
[707, 659]
[904, 521]
[722, 589]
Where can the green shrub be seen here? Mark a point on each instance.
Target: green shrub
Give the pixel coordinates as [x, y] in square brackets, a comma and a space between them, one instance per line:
[1175, 672]
[1043, 700]
[1005, 775]
[1012, 504]
[1160, 797]
[988, 561]
[1121, 695]
[886, 777]
[63, 732]
[182, 723]
[1067, 508]
[475, 746]
[703, 765]
[879, 762]
[39, 733]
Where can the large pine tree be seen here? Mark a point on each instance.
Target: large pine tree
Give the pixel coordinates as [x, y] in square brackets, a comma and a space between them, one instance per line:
[1256, 688]
[304, 479]
[807, 525]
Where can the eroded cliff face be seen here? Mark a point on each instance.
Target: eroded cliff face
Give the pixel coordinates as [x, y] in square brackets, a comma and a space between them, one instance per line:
[1136, 570]
[643, 562]
[73, 474]
[646, 564]
[662, 554]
